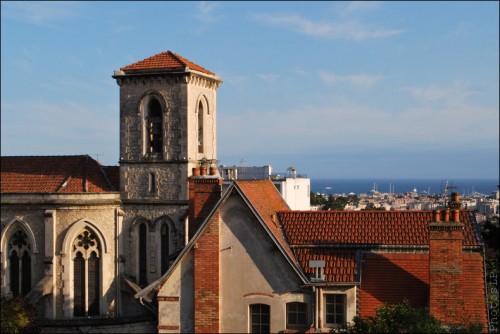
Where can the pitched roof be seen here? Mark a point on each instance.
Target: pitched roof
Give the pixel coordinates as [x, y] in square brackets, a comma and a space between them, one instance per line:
[377, 227]
[167, 61]
[53, 174]
[267, 201]
[335, 236]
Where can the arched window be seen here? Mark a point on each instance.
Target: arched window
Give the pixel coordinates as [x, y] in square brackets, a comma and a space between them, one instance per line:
[154, 127]
[142, 255]
[200, 126]
[260, 318]
[86, 252]
[164, 248]
[19, 263]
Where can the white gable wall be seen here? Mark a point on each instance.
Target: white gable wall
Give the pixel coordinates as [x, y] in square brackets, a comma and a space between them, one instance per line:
[253, 271]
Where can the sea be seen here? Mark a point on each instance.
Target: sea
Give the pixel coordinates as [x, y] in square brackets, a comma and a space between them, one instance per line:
[465, 187]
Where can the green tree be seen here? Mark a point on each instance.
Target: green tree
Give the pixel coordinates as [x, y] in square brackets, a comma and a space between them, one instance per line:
[18, 316]
[490, 232]
[403, 318]
[317, 199]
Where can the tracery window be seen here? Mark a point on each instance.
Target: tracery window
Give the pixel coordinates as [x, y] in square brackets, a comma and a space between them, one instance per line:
[19, 253]
[86, 253]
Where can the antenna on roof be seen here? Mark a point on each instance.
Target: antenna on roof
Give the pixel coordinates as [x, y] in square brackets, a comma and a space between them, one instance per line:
[445, 187]
[97, 156]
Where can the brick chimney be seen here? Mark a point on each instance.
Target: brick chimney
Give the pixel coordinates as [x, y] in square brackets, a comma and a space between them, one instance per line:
[445, 264]
[204, 192]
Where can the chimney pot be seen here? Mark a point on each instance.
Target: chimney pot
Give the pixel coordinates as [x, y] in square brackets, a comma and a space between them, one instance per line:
[446, 215]
[196, 171]
[437, 215]
[456, 216]
[203, 170]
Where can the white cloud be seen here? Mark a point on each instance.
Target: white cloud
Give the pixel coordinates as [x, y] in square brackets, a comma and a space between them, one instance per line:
[343, 125]
[350, 30]
[42, 128]
[268, 77]
[361, 80]
[40, 13]
[357, 6]
[207, 11]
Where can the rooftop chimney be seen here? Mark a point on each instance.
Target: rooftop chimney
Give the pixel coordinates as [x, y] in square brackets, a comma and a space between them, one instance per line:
[204, 192]
[445, 265]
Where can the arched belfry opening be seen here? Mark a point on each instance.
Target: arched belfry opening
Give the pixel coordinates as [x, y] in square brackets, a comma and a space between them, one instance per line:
[154, 127]
[201, 115]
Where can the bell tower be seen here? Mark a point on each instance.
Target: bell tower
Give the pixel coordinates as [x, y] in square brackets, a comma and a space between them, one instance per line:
[167, 124]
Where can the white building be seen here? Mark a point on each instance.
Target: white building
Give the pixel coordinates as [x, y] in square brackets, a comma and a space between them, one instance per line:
[294, 188]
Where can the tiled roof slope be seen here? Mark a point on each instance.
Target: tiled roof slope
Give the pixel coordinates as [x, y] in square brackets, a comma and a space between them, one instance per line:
[340, 264]
[53, 174]
[165, 60]
[402, 228]
[267, 201]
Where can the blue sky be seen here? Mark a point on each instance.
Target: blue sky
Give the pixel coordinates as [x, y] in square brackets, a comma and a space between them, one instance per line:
[334, 89]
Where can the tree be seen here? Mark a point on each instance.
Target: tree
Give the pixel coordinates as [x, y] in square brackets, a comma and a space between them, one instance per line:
[18, 316]
[490, 231]
[340, 202]
[403, 318]
[317, 199]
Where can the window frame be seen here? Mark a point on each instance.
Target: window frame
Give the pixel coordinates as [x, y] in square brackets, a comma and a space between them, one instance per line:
[297, 324]
[252, 310]
[335, 313]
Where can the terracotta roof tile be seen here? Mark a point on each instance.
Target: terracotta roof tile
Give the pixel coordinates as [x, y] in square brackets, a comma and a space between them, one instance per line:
[165, 60]
[365, 227]
[53, 174]
[340, 264]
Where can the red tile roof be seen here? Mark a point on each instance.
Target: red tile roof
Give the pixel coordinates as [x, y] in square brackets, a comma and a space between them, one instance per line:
[53, 174]
[165, 60]
[340, 264]
[365, 227]
[324, 235]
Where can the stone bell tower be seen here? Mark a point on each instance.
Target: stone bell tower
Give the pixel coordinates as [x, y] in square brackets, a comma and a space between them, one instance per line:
[167, 124]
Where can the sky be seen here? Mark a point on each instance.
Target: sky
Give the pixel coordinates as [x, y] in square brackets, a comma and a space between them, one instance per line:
[333, 89]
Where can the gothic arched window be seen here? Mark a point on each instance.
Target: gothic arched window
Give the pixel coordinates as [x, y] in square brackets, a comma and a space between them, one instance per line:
[19, 263]
[164, 248]
[200, 126]
[142, 254]
[154, 124]
[86, 273]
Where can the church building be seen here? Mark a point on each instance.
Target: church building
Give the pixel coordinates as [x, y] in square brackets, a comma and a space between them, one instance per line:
[157, 244]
